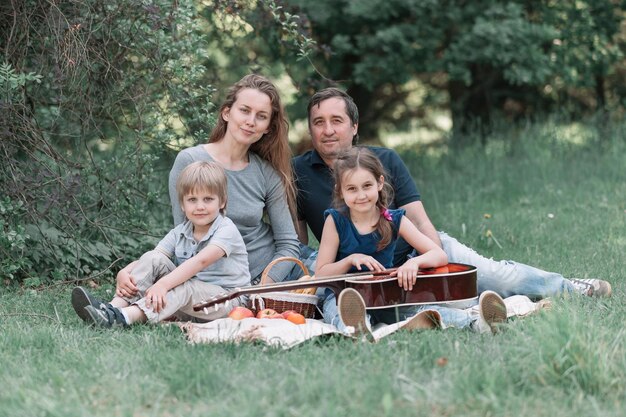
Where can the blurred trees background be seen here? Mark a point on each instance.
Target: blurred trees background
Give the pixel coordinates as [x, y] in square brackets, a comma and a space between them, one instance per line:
[479, 60]
[97, 96]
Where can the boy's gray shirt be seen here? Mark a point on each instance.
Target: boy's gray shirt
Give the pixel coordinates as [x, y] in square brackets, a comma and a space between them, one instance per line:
[252, 192]
[230, 271]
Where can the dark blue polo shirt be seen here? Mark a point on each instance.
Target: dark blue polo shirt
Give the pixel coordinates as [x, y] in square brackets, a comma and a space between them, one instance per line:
[315, 184]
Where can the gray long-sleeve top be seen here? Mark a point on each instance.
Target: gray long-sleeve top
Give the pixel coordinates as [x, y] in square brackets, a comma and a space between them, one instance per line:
[252, 192]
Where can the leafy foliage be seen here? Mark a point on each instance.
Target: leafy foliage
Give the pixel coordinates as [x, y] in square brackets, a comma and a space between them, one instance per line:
[517, 58]
[95, 98]
[13, 240]
[92, 100]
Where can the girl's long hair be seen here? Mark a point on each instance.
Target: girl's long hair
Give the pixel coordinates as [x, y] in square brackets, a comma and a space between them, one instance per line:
[360, 157]
[273, 145]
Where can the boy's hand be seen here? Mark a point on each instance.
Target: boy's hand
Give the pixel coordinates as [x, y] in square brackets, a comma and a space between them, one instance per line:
[407, 274]
[358, 260]
[126, 285]
[155, 297]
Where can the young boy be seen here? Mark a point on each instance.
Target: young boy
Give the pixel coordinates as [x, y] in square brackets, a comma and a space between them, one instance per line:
[198, 259]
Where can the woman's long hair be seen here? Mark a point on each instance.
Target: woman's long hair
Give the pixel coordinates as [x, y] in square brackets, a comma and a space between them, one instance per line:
[360, 157]
[273, 145]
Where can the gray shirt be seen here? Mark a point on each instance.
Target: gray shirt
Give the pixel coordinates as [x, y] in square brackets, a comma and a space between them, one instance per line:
[229, 271]
[253, 192]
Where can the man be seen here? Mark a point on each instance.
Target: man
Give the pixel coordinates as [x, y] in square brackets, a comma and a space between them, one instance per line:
[333, 123]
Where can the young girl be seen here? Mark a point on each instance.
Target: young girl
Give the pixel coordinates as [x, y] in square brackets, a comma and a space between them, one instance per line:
[361, 232]
[198, 259]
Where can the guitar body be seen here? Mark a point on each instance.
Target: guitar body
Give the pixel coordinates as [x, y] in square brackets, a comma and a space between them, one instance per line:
[453, 285]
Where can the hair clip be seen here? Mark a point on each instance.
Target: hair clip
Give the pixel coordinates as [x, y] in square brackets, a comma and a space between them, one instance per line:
[385, 213]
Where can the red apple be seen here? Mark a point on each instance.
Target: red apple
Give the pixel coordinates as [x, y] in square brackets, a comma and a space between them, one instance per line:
[287, 313]
[268, 313]
[296, 318]
[240, 313]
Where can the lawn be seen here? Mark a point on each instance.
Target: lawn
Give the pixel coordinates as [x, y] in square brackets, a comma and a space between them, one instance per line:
[549, 197]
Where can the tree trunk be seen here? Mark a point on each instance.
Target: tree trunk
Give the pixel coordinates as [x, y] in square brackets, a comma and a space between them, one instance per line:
[470, 107]
[600, 93]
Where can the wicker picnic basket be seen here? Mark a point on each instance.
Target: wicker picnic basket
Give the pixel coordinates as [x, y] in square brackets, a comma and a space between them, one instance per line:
[304, 301]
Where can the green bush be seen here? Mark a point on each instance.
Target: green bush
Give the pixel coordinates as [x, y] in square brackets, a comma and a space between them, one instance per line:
[90, 110]
[13, 241]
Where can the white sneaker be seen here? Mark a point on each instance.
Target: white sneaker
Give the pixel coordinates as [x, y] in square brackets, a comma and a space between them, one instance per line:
[492, 312]
[352, 312]
[592, 287]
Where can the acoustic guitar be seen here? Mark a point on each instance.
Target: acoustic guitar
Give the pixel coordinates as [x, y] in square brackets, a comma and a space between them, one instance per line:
[453, 285]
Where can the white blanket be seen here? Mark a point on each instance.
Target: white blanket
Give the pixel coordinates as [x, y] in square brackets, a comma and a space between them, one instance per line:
[284, 334]
[274, 332]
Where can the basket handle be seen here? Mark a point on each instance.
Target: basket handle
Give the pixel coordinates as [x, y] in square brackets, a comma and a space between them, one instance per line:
[264, 275]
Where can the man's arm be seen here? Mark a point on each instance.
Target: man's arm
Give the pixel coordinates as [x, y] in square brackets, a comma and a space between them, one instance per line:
[417, 214]
[301, 230]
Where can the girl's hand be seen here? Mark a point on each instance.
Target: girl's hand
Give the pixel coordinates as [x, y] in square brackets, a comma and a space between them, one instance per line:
[155, 297]
[126, 286]
[358, 259]
[407, 274]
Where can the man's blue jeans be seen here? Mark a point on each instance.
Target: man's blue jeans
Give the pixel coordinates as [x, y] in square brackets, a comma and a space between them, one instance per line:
[507, 278]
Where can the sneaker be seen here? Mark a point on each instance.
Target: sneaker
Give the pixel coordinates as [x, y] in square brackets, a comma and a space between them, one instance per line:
[592, 287]
[81, 299]
[424, 320]
[107, 317]
[492, 312]
[352, 312]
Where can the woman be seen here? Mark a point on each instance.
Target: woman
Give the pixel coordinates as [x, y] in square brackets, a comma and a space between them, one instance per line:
[250, 142]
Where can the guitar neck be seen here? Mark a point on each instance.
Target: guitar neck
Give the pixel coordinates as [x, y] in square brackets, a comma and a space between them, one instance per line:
[285, 286]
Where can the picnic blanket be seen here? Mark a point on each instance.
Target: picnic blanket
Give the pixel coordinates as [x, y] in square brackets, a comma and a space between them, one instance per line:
[284, 334]
[274, 332]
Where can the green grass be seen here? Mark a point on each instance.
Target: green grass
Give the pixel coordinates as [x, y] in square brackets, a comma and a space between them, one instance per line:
[568, 361]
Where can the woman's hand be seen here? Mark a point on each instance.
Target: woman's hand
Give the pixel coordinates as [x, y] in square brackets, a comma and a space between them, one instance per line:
[358, 259]
[155, 297]
[407, 274]
[126, 286]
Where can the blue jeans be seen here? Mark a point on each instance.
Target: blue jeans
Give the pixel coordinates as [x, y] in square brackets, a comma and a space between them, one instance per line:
[308, 256]
[450, 317]
[507, 278]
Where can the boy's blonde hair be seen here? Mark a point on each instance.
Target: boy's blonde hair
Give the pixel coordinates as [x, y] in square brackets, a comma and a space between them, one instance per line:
[205, 176]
